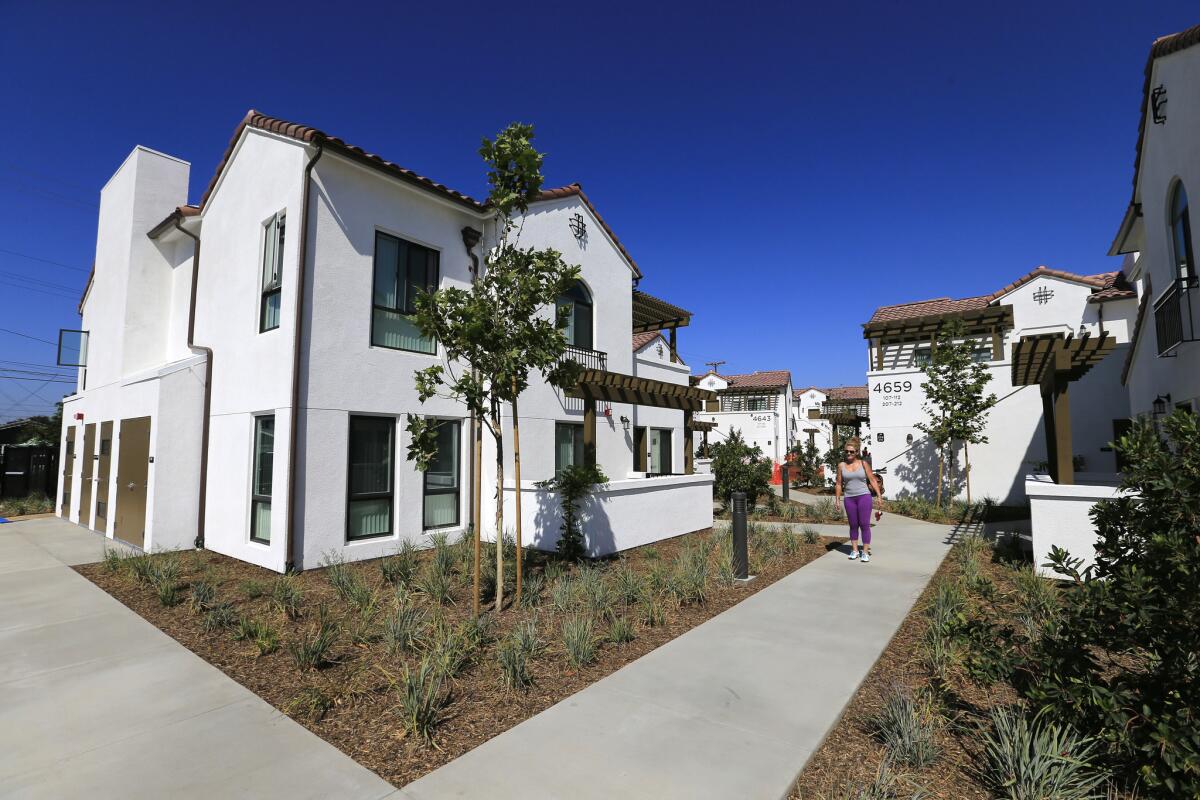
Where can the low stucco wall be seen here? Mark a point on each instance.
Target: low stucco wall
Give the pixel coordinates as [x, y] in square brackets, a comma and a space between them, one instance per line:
[625, 514]
[1061, 515]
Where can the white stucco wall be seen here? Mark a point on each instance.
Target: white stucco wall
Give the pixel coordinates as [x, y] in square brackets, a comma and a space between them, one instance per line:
[649, 362]
[1061, 516]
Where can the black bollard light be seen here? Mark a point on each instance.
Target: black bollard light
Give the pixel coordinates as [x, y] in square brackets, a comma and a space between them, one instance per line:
[741, 562]
[783, 480]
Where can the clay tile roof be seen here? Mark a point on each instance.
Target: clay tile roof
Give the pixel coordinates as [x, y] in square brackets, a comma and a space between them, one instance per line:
[1116, 287]
[1163, 46]
[924, 308]
[1097, 281]
[800, 392]
[574, 189]
[847, 392]
[640, 340]
[307, 134]
[768, 379]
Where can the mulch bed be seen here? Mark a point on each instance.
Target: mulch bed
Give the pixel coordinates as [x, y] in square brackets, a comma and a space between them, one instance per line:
[850, 753]
[363, 720]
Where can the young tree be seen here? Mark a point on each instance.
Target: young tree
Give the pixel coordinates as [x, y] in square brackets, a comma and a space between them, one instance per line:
[738, 467]
[573, 484]
[1123, 661]
[954, 398]
[494, 334]
[805, 463]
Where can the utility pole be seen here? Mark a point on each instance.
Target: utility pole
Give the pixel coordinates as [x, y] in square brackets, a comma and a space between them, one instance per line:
[712, 365]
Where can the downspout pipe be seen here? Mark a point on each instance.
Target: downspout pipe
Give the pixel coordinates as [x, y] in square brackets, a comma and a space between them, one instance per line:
[208, 375]
[297, 335]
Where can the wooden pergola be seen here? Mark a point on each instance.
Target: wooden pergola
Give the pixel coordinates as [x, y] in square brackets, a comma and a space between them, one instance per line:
[1053, 361]
[615, 387]
[991, 321]
[651, 313]
[704, 428]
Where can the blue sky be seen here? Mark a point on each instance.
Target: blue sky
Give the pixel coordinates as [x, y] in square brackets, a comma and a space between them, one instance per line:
[778, 169]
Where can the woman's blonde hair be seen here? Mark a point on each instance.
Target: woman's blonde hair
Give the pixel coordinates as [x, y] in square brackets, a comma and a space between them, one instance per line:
[854, 440]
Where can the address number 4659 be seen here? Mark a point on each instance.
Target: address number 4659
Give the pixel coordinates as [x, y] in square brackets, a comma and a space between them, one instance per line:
[887, 387]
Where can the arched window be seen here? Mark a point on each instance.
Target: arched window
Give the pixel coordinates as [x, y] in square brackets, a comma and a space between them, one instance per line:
[1181, 235]
[579, 316]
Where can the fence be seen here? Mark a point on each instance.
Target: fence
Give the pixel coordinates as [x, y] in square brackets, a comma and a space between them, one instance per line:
[28, 469]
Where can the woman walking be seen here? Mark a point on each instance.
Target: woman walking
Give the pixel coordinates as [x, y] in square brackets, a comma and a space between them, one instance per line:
[855, 480]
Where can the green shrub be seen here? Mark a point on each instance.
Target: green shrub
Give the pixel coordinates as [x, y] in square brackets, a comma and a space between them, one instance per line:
[436, 584]
[287, 596]
[404, 627]
[310, 648]
[1136, 607]
[572, 485]
[531, 590]
[201, 596]
[738, 467]
[219, 617]
[420, 700]
[1038, 759]
[906, 726]
[620, 631]
[579, 640]
[400, 567]
[514, 665]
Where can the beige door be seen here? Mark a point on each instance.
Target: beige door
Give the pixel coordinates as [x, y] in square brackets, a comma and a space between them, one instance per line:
[133, 466]
[102, 471]
[68, 471]
[85, 477]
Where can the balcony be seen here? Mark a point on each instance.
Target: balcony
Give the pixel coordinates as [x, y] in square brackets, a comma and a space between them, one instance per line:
[1174, 322]
[588, 359]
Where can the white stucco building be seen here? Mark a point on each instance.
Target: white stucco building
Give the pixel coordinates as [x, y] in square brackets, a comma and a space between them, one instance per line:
[812, 408]
[758, 404]
[248, 363]
[1046, 306]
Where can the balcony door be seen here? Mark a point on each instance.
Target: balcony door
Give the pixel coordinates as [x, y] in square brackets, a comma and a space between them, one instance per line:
[660, 451]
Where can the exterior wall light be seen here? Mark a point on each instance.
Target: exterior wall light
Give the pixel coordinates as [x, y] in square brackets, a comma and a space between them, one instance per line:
[625, 422]
[908, 439]
[1160, 405]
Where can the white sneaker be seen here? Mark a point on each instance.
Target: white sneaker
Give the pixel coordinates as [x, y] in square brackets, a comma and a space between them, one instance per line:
[853, 555]
[866, 557]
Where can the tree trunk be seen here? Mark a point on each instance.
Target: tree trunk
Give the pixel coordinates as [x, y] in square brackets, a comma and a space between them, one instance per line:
[476, 504]
[499, 436]
[517, 479]
[967, 455]
[941, 461]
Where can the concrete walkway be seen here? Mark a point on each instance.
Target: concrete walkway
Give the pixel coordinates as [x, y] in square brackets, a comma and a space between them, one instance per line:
[96, 702]
[733, 708]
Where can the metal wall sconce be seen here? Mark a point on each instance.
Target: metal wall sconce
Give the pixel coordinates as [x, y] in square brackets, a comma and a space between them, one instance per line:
[578, 226]
[625, 422]
[908, 439]
[1160, 405]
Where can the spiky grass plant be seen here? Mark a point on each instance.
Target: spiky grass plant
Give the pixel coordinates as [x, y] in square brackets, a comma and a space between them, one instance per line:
[620, 631]
[310, 649]
[940, 654]
[448, 648]
[114, 560]
[341, 576]
[258, 632]
[565, 594]
[254, 589]
[885, 784]
[287, 597]
[810, 534]
[420, 699]
[1037, 759]
[363, 627]
[435, 583]
[907, 727]
[514, 665]
[526, 635]
[399, 568]
[1036, 596]
[311, 703]
[532, 589]
[627, 583]
[201, 596]
[579, 640]
[169, 593]
[219, 617]
[651, 613]
[404, 627]
[444, 557]
[595, 591]
[139, 568]
[688, 581]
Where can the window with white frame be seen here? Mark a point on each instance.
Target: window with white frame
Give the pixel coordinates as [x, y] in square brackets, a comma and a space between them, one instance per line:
[272, 273]
[260, 479]
[403, 270]
[441, 502]
[369, 488]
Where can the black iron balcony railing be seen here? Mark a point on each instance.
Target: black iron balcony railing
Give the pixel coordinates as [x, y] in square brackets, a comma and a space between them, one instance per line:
[1174, 322]
[588, 359]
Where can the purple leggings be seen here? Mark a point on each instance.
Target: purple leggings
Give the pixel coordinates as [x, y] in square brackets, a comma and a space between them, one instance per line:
[858, 512]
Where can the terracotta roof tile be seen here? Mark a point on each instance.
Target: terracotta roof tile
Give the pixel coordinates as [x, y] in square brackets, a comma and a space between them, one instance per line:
[1117, 287]
[797, 393]
[577, 190]
[767, 379]
[848, 392]
[640, 340]
[1097, 281]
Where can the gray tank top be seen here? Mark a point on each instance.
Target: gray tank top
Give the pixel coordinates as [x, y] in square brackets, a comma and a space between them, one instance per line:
[854, 482]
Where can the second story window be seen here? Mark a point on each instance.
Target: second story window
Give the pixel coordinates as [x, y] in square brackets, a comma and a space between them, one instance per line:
[272, 274]
[402, 271]
[1181, 236]
[579, 316]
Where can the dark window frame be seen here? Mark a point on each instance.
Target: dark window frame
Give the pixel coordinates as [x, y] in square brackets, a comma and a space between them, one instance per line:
[586, 299]
[433, 277]
[576, 445]
[1183, 221]
[255, 496]
[272, 287]
[456, 491]
[668, 455]
[390, 494]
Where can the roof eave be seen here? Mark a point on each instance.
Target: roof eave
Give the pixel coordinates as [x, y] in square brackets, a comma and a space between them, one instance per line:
[1129, 234]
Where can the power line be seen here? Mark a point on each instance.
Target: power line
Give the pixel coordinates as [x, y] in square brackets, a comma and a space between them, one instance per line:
[75, 201]
[48, 380]
[38, 290]
[27, 336]
[43, 260]
[39, 282]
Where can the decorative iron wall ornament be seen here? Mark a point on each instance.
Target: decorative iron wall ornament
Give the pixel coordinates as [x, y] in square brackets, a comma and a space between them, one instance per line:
[1043, 295]
[1158, 104]
[659, 349]
[578, 226]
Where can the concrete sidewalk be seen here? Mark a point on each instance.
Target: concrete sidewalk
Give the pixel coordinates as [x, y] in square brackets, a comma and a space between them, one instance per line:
[733, 708]
[97, 702]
